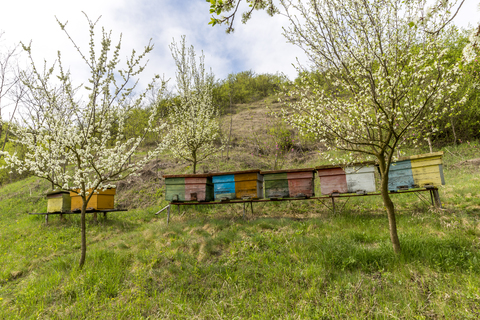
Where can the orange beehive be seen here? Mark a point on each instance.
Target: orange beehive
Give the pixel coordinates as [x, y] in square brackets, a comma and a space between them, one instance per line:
[100, 200]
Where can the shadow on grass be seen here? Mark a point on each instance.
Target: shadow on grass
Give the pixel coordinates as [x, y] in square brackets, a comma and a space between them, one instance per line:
[71, 220]
[367, 249]
[437, 254]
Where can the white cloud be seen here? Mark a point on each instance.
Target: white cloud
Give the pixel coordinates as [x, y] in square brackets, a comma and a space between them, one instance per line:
[258, 46]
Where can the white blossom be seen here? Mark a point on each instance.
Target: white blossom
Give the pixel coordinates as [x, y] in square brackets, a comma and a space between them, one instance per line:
[381, 76]
[193, 121]
[470, 51]
[386, 76]
[70, 141]
[77, 143]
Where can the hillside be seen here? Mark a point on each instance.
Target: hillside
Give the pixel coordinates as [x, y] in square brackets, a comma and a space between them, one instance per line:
[289, 260]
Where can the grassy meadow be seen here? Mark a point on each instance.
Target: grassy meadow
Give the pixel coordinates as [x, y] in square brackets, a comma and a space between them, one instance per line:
[287, 260]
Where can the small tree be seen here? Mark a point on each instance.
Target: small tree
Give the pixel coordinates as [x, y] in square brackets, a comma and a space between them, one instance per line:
[388, 76]
[193, 120]
[10, 88]
[69, 141]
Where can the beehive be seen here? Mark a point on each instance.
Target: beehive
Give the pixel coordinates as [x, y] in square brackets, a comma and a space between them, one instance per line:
[360, 177]
[332, 179]
[58, 201]
[224, 186]
[416, 171]
[189, 187]
[289, 183]
[100, 200]
[238, 185]
[400, 175]
[427, 169]
[347, 178]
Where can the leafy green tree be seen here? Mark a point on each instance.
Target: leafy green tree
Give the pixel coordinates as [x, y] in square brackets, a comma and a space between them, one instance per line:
[462, 119]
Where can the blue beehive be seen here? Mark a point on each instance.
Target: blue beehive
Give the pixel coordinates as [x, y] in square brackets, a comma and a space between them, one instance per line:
[224, 186]
[400, 175]
[238, 185]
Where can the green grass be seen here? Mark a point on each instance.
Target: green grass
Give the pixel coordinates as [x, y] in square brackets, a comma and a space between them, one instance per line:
[289, 260]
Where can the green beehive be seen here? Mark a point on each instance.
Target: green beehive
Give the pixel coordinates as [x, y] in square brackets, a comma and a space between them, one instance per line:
[58, 201]
[188, 187]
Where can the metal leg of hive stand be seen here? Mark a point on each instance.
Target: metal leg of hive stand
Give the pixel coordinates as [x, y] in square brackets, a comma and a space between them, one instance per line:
[46, 219]
[436, 196]
[251, 207]
[168, 214]
[431, 197]
[333, 205]
[244, 211]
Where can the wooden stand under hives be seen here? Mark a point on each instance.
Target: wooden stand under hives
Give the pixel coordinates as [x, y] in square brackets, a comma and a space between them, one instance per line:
[67, 202]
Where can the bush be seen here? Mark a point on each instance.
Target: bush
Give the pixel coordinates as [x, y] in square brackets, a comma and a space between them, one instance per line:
[245, 87]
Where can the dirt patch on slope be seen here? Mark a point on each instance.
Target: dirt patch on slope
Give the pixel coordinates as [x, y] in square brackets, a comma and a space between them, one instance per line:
[467, 163]
[146, 188]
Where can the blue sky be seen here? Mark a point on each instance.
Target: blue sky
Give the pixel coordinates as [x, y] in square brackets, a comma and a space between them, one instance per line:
[258, 45]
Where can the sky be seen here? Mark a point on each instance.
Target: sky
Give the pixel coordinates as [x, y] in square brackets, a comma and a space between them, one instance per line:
[258, 45]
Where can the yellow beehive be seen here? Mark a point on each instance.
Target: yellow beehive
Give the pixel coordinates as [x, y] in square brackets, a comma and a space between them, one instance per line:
[58, 201]
[249, 184]
[427, 169]
[100, 200]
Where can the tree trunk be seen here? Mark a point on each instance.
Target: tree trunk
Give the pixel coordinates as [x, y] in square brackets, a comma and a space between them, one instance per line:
[84, 238]
[194, 166]
[392, 223]
[454, 135]
[430, 144]
[1, 131]
[231, 123]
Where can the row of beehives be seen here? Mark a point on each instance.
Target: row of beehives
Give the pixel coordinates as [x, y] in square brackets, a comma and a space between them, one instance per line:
[63, 201]
[409, 172]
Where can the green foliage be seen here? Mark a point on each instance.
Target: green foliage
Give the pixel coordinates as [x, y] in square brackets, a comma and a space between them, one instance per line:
[461, 121]
[137, 119]
[7, 175]
[230, 8]
[245, 87]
